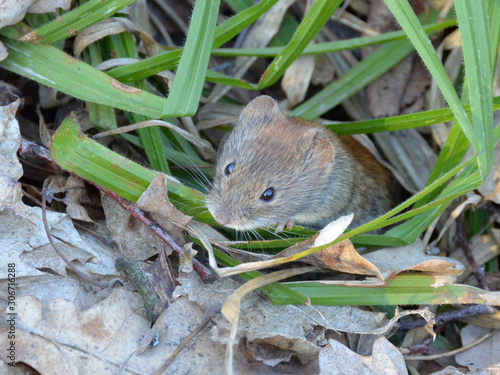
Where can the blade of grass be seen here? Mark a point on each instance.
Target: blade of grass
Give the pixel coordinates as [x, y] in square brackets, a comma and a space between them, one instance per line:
[474, 31]
[184, 97]
[316, 17]
[409, 22]
[71, 23]
[412, 120]
[223, 33]
[404, 289]
[49, 66]
[79, 154]
[340, 45]
[379, 62]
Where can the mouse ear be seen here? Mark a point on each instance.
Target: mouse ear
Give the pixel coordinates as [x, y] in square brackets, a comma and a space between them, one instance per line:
[318, 141]
[260, 111]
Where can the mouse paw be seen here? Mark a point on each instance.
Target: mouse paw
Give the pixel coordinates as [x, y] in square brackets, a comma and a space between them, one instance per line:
[281, 226]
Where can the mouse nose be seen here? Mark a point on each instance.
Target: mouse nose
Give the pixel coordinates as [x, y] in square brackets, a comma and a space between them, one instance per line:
[222, 216]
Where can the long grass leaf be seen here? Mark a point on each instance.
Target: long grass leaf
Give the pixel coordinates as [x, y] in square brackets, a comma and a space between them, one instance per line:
[71, 23]
[408, 20]
[52, 67]
[316, 17]
[379, 62]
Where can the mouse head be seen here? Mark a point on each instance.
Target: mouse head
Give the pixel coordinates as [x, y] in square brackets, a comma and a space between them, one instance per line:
[270, 169]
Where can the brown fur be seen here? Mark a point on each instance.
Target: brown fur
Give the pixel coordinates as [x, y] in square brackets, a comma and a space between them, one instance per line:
[316, 175]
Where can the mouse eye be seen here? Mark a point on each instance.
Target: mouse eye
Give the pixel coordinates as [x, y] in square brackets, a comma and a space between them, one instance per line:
[229, 169]
[267, 195]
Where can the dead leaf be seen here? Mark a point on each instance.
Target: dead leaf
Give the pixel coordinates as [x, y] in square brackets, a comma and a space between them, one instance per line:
[385, 359]
[297, 78]
[341, 256]
[480, 356]
[60, 339]
[392, 261]
[155, 200]
[276, 330]
[13, 11]
[49, 6]
[76, 194]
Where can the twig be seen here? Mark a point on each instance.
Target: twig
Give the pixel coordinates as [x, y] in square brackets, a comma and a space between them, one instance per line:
[82, 275]
[448, 354]
[211, 311]
[29, 149]
[464, 242]
[448, 316]
[205, 273]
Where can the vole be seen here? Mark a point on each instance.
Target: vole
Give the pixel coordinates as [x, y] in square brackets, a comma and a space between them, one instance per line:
[275, 169]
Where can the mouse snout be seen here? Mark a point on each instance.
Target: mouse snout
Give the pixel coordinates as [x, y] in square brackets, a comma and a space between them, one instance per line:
[221, 217]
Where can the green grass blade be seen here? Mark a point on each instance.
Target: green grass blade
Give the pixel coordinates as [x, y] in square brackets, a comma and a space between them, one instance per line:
[340, 45]
[409, 22]
[49, 66]
[78, 19]
[76, 153]
[84, 157]
[316, 17]
[474, 31]
[379, 62]
[412, 120]
[223, 33]
[494, 18]
[404, 289]
[184, 97]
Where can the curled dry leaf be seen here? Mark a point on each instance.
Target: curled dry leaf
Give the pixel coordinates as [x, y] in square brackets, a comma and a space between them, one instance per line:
[386, 358]
[155, 201]
[393, 261]
[112, 26]
[76, 194]
[186, 258]
[341, 256]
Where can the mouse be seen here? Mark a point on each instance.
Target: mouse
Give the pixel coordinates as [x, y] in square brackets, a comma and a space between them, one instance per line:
[274, 170]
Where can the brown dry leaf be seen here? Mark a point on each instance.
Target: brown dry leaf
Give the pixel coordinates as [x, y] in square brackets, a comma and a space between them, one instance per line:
[297, 78]
[76, 193]
[23, 233]
[59, 339]
[341, 256]
[393, 261]
[155, 200]
[480, 356]
[127, 232]
[398, 87]
[136, 241]
[385, 359]
[274, 331]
